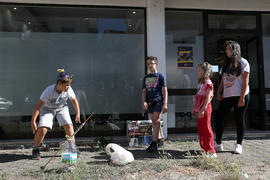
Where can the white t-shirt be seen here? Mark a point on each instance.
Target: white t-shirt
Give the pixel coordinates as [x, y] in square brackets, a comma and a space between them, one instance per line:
[54, 100]
[233, 84]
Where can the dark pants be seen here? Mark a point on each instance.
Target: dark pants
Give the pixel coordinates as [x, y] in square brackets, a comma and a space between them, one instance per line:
[224, 108]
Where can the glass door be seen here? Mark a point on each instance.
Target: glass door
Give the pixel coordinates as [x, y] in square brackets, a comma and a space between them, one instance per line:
[249, 50]
[244, 28]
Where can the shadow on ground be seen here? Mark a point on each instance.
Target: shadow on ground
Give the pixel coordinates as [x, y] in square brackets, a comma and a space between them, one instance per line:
[220, 152]
[141, 154]
[13, 157]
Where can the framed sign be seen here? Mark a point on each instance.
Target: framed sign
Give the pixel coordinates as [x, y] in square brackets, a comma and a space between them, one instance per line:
[185, 58]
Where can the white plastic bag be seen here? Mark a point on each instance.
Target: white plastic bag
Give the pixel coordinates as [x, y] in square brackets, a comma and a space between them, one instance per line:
[119, 156]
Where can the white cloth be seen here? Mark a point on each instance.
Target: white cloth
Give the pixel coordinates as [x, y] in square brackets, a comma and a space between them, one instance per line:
[233, 84]
[53, 100]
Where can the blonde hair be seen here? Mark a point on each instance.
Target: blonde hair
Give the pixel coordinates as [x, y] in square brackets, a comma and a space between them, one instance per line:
[206, 71]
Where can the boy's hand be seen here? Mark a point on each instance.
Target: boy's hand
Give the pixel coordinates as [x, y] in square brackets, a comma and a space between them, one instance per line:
[145, 105]
[34, 127]
[164, 108]
[201, 114]
[77, 118]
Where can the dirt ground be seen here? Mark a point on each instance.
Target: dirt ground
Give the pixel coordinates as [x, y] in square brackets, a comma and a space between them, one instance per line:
[177, 160]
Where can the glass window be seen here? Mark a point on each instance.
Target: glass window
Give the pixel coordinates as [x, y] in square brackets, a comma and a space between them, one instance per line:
[179, 112]
[266, 46]
[218, 21]
[184, 48]
[184, 51]
[104, 48]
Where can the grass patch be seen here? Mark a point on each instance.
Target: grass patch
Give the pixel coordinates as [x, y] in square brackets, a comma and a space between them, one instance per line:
[4, 175]
[100, 170]
[226, 170]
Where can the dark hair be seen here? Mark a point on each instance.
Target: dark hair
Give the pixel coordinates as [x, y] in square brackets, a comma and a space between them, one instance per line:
[207, 71]
[63, 77]
[152, 58]
[65, 80]
[233, 63]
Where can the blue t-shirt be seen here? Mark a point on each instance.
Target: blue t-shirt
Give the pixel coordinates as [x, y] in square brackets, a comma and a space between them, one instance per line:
[153, 84]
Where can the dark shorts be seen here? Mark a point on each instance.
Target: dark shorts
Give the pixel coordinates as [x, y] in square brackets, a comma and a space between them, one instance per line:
[154, 107]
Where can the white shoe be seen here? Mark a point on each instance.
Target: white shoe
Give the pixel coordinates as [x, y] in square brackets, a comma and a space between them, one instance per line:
[211, 155]
[218, 147]
[238, 149]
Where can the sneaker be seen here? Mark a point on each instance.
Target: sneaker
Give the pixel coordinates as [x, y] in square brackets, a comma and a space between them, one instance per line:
[211, 155]
[218, 147]
[160, 143]
[35, 153]
[150, 146]
[238, 149]
[153, 147]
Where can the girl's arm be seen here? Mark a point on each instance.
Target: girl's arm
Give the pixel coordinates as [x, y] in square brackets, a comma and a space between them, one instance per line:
[205, 104]
[35, 115]
[245, 77]
[77, 108]
[165, 102]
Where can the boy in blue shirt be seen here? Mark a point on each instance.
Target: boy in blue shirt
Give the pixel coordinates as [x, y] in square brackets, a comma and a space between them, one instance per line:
[154, 98]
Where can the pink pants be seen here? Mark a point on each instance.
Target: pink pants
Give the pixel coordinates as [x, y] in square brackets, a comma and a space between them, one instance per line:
[206, 135]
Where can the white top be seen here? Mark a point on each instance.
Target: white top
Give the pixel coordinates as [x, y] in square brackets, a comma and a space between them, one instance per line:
[233, 84]
[54, 100]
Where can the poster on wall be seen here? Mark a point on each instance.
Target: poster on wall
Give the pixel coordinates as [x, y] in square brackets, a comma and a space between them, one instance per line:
[185, 58]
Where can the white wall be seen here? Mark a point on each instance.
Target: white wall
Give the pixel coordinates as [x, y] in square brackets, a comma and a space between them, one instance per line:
[244, 5]
[127, 3]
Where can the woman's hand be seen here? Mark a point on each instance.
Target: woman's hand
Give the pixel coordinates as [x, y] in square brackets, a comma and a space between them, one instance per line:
[219, 97]
[241, 102]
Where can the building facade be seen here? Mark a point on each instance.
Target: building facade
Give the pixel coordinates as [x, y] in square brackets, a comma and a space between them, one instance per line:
[104, 44]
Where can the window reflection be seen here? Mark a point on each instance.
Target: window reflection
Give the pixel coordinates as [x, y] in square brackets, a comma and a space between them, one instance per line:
[183, 32]
[184, 51]
[218, 21]
[104, 48]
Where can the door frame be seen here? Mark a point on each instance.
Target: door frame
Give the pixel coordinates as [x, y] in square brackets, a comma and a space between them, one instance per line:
[259, 91]
[257, 34]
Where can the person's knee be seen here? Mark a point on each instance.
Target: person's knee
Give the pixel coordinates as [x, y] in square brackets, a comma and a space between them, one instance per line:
[68, 128]
[42, 131]
[156, 121]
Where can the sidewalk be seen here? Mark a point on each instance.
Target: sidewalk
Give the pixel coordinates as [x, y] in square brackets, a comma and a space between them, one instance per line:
[228, 135]
[177, 160]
